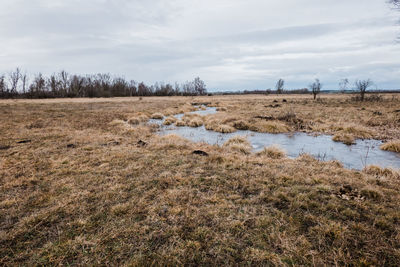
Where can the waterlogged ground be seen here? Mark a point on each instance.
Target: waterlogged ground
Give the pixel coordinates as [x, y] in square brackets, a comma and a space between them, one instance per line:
[356, 156]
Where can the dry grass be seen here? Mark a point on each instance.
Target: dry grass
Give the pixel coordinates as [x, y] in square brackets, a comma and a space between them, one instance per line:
[170, 120]
[138, 119]
[348, 139]
[239, 144]
[223, 128]
[84, 191]
[218, 126]
[180, 123]
[392, 146]
[351, 131]
[195, 122]
[378, 171]
[269, 127]
[241, 125]
[157, 116]
[274, 152]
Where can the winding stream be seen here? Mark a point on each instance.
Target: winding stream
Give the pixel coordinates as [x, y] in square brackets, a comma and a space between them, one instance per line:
[357, 156]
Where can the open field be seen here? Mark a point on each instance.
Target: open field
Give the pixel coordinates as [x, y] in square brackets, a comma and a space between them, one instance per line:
[87, 182]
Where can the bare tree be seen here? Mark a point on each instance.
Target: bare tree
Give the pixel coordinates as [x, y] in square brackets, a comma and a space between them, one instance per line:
[24, 79]
[37, 88]
[54, 84]
[132, 88]
[177, 88]
[3, 86]
[279, 86]
[315, 88]
[343, 85]
[14, 77]
[199, 86]
[362, 87]
[63, 77]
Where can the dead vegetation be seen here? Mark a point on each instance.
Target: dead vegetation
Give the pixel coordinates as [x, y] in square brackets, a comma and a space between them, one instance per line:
[273, 152]
[239, 144]
[97, 189]
[392, 146]
[157, 116]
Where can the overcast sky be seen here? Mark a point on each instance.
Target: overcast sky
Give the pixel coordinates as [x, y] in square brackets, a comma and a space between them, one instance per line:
[230, 44]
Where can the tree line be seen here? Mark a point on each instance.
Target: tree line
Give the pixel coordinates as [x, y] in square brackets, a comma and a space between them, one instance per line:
[19, 85]
[361, 87]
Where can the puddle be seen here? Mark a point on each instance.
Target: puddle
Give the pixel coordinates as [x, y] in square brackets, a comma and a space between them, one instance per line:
[357, 156]
[207, 111]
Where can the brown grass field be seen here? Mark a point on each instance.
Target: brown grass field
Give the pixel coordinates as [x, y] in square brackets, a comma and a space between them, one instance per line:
[88, 182]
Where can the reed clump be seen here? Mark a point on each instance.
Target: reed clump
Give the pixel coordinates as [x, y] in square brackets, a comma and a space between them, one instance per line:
[347, 139]
[170, 120]
[393, 146]
[157, 116]
[274, 152]
[269, 127]
[239, 144]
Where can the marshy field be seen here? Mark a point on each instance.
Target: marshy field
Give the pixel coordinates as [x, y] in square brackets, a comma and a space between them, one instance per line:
[102, 182]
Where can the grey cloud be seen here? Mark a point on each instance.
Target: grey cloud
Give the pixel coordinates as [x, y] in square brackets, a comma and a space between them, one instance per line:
[231, 44]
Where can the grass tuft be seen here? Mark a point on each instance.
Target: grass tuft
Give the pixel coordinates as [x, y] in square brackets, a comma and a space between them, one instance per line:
[378, 171]
[170, 120]
[274, 152]
[241, 125]
[157, 116]
[347, 139]
[223, 128]
[138, 119]
[393, 146]
[180, 123]
[269, 127]
[239, 144]
[195, 122]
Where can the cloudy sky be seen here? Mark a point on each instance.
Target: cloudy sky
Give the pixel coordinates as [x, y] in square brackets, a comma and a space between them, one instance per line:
[230, 44]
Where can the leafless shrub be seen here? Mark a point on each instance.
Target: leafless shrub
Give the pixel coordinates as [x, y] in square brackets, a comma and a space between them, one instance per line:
[315, 88]
[362, 86]
[279, 86]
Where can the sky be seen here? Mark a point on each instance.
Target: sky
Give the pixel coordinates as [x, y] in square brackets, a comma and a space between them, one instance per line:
[231, 44]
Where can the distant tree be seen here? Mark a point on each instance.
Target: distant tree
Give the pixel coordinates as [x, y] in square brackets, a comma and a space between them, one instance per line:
[54, 84]
[63, 77]
[142, 89]
[119, 87]
[177, 89]
[199, 86]
[315, 88]
[14, 77]
[362, 87]
[38, 86]
[188, 88]
[343, 85]
[279, 86]
[77, 86]
[3, 87]
[25, 81]
[133, 88]
[99, 85]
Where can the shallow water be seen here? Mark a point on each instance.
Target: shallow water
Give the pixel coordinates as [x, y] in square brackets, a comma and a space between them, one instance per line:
[357, 156]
